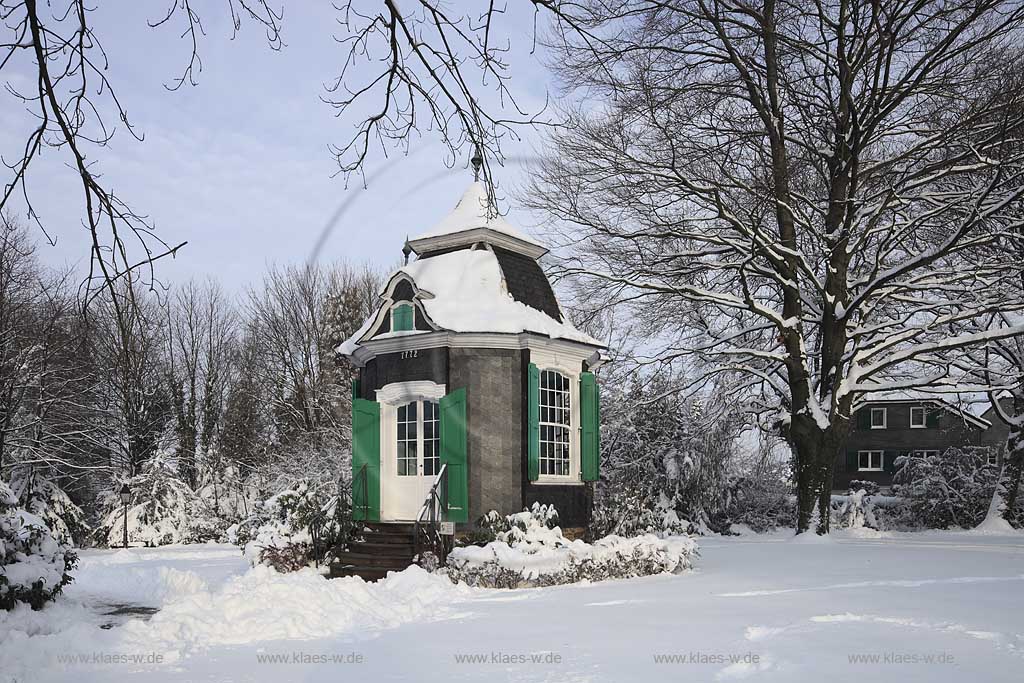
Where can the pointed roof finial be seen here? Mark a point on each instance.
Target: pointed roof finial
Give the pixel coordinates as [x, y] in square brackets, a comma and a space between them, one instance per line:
[406, 250]
[477, 162]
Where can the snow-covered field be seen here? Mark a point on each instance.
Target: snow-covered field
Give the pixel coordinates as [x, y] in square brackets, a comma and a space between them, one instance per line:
[910, 607]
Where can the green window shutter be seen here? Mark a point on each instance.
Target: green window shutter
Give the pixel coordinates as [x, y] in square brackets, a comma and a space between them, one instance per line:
[590, 430]
[366, 451]
[931, 417]
[402, 318]
[453, 453]
[533, 424]
[355, 389]
[864, 418]
[852, 461]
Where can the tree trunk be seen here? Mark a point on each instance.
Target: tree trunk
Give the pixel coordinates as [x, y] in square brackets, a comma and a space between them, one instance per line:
[1013, 464]
[816, 454]
[1004, 498]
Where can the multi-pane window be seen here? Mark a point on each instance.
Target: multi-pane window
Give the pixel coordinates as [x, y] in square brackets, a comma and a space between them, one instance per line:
[418, 435]
[431, 439]
[554, 423]
[878, 418]
[917, 417]
[869, 461]
[408, 439]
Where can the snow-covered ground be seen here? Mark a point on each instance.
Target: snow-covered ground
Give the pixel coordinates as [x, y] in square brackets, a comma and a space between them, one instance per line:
[914, 607]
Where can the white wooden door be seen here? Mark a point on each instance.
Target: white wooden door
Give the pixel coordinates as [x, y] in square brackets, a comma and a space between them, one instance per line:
[412, 459]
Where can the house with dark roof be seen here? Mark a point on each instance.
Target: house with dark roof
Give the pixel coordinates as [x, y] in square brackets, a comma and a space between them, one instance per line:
[888, 426]
[474, 391]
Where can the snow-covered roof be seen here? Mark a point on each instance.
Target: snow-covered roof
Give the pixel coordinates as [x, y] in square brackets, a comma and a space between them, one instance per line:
[474, 220]
[464, 291]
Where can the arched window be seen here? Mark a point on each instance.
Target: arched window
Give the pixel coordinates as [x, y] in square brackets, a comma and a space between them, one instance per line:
[418, 439]
[555, 420]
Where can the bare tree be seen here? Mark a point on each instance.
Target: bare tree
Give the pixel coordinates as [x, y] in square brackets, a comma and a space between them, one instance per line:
[801, 193]
[127, 343]
[201, 330]
[75, 110]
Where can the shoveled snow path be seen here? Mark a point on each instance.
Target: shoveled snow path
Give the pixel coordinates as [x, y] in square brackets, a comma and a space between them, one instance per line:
[786, 611]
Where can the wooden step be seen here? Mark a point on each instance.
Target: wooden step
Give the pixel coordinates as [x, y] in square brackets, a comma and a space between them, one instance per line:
[382, 548]
[390, 527]
[365, 573]
[384, 539]
[367, 560]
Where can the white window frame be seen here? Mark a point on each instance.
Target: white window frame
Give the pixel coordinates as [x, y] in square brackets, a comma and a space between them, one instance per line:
[570, 368]
[556, 426]
[924, 417]
[420, 441]
[925, 452]
[869, 453]
[993, 457]
[885, 417]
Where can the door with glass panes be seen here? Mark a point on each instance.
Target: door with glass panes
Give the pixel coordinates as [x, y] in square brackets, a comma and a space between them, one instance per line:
[413, 459]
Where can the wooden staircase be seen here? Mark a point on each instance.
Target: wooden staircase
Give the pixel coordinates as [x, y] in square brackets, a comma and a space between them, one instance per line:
[385, 547]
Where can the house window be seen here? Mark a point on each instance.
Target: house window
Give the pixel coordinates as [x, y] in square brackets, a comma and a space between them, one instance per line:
[402, 318]
[554, 424]
[869, 461]
[926, 454]
[418, 433]
[917, 418]
[993, 456]
[878, 418]
[431, 439]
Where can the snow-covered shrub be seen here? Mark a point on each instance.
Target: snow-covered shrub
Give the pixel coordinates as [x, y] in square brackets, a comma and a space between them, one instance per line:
[34, 566]
[280, 531]
[45, 499]
[531, 553]
[627, 512]
[855, 510]
[663, 450]
[951, 489]
[762, 503]
[163, 509]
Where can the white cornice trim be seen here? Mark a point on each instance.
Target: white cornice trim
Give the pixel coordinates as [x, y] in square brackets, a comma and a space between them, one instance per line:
[372, 348]
[487, 235]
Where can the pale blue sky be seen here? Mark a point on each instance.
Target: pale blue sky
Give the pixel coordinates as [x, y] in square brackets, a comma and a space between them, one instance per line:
[238, 166]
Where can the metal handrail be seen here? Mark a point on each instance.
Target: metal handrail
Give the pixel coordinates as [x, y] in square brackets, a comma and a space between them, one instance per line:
[436, 504]
[361, 479]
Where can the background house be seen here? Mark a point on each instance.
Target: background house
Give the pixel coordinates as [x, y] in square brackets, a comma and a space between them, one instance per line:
[887, 427]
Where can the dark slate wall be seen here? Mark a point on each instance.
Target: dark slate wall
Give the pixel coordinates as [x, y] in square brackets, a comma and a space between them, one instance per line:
[403, 291]
[527, 282]
[422, 364]
[574, 502]
[491, 378]
[899, 438]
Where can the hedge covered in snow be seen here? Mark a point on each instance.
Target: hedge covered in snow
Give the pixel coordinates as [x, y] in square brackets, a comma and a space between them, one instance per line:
[533, 552]
[34, 566]
[279, 532]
